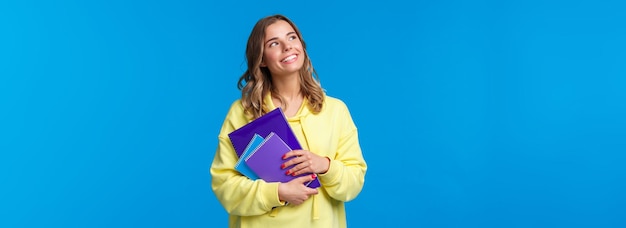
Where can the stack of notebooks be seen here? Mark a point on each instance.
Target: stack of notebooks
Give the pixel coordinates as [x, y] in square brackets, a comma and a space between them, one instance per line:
[261, 145]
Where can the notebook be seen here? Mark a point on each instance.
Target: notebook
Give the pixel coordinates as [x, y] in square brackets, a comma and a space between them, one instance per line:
[241, 166]
[273, 121]
[266, 160]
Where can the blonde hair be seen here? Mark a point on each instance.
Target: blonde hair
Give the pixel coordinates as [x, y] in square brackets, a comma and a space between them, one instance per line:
[256, 82]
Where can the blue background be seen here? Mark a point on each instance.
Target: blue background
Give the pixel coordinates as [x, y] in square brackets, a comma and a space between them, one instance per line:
[471, 113]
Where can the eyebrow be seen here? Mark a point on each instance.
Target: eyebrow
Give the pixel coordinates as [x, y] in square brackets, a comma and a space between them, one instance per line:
[275, 38]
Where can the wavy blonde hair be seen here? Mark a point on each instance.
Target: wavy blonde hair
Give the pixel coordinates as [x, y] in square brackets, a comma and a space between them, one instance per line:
[256, 82]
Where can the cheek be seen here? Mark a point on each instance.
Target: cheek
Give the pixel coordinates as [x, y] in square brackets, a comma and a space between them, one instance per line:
[270, 56]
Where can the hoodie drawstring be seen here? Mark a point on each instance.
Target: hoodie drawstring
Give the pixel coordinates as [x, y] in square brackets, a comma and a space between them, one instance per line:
[315, 210]
[274, 212]
[316, 214]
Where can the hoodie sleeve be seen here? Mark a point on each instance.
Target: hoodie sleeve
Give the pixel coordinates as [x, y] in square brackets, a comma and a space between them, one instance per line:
[238, 194]
[346, 175]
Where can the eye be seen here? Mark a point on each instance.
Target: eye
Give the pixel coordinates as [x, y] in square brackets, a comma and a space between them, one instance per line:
[293, 37]
[273, 44]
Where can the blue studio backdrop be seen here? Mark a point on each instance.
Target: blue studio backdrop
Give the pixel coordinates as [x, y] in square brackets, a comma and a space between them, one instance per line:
[470, 113]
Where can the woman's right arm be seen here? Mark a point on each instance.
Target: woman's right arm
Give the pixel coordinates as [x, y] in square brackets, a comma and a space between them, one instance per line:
[238, 194]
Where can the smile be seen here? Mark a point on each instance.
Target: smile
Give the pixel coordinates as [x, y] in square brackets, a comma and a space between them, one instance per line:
[289, 59]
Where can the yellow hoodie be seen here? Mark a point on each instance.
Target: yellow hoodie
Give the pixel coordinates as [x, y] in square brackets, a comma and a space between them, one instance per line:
[330, 133]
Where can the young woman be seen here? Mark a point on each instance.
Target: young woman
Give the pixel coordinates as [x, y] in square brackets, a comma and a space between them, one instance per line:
[280, 74]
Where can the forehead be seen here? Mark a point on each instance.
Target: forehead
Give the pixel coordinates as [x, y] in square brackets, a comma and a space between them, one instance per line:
[278, 29]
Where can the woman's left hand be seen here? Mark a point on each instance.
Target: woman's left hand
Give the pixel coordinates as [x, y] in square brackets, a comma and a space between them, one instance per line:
[305, 162]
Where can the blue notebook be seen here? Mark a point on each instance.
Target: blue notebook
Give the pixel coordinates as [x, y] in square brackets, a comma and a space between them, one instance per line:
[243, 167]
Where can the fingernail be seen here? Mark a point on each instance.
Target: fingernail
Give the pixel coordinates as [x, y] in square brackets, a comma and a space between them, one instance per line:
[284, 156]
[282, 166]
[287, 173]
[313, 176]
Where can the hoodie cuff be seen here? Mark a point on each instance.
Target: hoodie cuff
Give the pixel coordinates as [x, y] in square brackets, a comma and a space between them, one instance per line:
[333, 174]
[271, 194]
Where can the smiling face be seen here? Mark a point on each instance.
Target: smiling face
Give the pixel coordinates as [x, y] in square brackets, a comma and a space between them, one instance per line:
[283, 53]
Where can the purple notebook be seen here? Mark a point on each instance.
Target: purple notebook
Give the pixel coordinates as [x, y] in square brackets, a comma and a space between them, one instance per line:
[266, 160]
[273, 121]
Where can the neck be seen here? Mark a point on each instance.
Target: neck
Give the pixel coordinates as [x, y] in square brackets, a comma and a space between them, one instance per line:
[287, 87]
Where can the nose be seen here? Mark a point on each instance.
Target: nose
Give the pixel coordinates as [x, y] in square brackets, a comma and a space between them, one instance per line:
[287, 47]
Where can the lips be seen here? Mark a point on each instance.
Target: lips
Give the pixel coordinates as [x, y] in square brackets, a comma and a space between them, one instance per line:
[289, 58]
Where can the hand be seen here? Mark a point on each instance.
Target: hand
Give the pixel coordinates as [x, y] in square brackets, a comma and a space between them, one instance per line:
[305, 162]
[294, 191]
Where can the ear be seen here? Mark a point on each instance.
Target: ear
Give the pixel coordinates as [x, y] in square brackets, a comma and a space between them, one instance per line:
[263, 63]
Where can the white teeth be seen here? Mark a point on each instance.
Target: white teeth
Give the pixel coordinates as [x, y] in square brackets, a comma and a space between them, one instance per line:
[289, 58]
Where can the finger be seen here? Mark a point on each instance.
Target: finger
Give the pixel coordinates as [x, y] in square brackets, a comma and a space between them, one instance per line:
[292, 153]
[288, 155]
[304, 164]
[302, 167]
[301, 198]
[290, 162]
[294, 161]
[304, 179]
[297, 202]
[311, 191]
